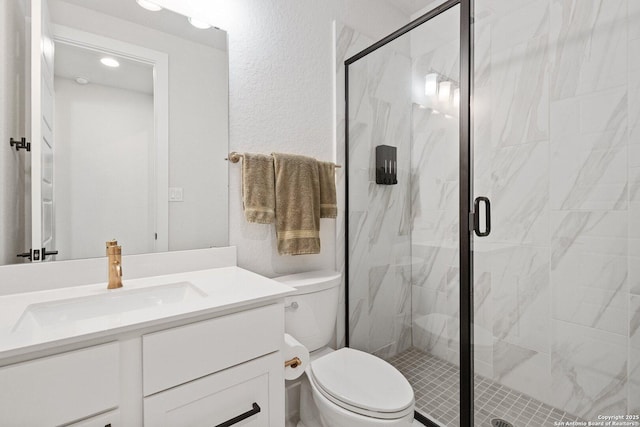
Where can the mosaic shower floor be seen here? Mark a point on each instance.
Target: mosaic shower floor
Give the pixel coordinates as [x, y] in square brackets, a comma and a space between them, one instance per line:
[436, 387]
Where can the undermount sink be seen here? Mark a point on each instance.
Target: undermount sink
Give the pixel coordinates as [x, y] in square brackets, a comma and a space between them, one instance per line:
[94, 307]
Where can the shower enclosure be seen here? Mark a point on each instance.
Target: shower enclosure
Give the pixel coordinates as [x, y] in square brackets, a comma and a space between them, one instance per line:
[501, 273]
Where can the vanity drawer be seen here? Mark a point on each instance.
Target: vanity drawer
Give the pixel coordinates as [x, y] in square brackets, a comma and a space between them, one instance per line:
[108, 419]
[182, 354]
[60, 389]
[212, 400]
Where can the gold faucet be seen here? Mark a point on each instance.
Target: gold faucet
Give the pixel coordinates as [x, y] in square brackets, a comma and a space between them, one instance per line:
[114, 253]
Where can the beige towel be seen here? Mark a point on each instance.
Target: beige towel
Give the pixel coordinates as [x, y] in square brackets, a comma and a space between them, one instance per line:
[328, 205]
[297, 204]
[258, 189]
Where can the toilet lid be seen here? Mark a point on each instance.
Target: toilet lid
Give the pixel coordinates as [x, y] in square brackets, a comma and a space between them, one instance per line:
[361, 380]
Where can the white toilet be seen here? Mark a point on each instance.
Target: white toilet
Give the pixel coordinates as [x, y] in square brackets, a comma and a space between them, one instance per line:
[346, 387]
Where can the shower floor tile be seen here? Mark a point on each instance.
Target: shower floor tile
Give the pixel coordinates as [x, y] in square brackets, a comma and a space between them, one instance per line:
[436, 385]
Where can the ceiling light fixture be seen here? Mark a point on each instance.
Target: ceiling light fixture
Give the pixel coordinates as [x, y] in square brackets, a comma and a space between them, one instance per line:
[444, 91]
[199, 24]
[431, 84]
[149, 5]
[110, 62]
[82, 80]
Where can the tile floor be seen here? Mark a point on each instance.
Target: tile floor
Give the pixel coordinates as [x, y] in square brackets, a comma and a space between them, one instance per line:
[436, 386]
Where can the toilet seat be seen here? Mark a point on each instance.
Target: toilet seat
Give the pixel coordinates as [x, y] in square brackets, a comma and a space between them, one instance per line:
[362, 383]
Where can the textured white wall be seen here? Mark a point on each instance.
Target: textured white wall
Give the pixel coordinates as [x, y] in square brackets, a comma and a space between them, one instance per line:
[282, 98]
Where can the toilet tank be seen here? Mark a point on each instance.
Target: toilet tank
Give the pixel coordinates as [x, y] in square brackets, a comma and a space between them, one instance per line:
[310, 313]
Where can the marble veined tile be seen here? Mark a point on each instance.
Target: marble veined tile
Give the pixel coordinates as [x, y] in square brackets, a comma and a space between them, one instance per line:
[634, 103]
[523, 369]
[528, 21]
[604, 111]
[520, 196]
[521, 297]
[589, 152]
[634, 321]
[520, 93]
[589, 171]
[634, 17]
[436, 259]
[482, 299]
[589, 269]
[590, 46]
[359, 324]
[482, 53]
[589, 370]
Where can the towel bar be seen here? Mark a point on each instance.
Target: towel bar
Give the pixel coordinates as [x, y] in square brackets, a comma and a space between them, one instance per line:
[235, 157]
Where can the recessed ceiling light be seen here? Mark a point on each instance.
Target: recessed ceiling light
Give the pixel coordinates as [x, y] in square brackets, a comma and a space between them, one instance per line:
[82, 81]
[148, 5]
[110, 62]
[199, 24]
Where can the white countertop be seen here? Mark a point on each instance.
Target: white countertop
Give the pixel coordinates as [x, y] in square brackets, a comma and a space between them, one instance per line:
[222, 289]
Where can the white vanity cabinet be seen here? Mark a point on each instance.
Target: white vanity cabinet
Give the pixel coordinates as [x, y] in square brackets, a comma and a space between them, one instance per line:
[61, 389]
[226, 369]
[205, 353]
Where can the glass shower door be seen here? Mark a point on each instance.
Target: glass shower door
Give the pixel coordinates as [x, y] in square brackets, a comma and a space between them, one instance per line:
[557, 301]
[403, 136]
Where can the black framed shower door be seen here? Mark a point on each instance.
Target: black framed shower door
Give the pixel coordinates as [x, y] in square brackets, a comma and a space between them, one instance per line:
[465, 196]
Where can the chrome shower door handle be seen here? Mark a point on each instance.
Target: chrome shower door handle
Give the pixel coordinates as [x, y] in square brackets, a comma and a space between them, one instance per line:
[487, 216]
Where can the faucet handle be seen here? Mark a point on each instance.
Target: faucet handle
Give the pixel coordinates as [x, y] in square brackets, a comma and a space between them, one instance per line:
[112, 246]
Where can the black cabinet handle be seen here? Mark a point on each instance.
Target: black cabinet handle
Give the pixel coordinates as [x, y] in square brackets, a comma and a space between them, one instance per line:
[476, 216]
[236, 420]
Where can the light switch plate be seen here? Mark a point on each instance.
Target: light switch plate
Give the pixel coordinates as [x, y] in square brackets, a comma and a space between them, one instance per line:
[175, 194]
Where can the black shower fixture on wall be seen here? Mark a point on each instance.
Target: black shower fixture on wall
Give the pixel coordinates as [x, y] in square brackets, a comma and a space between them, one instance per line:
[386, 165]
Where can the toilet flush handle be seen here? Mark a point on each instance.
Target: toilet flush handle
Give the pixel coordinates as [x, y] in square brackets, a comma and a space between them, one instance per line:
[292, 306]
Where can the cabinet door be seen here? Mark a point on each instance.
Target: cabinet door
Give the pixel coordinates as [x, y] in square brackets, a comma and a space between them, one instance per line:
[60, 389]
[243, 390]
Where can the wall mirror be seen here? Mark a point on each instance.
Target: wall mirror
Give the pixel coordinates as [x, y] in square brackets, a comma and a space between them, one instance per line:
[126, 112]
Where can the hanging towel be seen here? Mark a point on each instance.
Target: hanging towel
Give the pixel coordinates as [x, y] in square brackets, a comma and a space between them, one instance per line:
[258, 189]
[297, 204]
[328, 205]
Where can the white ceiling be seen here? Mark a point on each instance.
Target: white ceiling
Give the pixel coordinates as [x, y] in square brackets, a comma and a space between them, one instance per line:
[73, 61]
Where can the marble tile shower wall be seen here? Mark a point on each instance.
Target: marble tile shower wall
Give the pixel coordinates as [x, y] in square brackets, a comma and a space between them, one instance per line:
[557, 149]
[379, 241]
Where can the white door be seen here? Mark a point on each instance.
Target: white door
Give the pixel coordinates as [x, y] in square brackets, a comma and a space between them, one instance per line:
[42, 144]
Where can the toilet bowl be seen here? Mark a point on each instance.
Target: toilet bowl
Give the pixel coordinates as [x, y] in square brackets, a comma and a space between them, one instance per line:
[346, 387]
